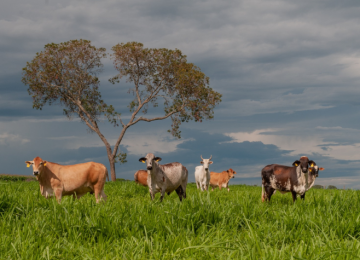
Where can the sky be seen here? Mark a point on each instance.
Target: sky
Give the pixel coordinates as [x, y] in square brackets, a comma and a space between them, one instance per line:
[288, 72]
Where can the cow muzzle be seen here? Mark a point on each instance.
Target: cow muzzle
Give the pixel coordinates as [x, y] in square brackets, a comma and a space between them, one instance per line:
[149, 168]
[36, 173]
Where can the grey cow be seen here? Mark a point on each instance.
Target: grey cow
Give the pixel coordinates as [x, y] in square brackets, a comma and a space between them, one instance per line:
[165, 178]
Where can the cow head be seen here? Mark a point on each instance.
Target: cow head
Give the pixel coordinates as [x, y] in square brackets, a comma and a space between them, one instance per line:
[38, 165]
[206, 162]
[314, 169]
[149, 159]
[303, 163]
[231, 173]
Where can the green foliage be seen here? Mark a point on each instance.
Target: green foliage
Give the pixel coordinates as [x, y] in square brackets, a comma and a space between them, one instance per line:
[165, 74]
[11, 177]
[120, 158]
[208, 225]
[332, 187]
[67, 73]
[317, 187]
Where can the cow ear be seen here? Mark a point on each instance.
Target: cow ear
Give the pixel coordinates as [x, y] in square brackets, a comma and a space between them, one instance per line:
[210, 162]
[227, 171]
[321, 169]
[28, 163]
[202, 162]
[296, 163]
[44, 163]
[312, 163]
[157, 159]
[142, 159]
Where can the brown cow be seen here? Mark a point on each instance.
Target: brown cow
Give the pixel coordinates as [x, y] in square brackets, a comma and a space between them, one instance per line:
[76, 180]
[141, 177]
[221, 180]
[297, 179]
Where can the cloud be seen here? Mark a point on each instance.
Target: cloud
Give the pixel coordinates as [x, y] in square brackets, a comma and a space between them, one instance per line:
[7, 139]
[304, 145]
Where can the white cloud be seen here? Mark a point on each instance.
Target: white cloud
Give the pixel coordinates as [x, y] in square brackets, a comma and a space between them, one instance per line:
[8, 139]
[301, 144]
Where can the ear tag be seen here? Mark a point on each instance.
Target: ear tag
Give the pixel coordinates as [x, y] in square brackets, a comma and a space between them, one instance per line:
[143, 161]
[312, 165]
[45, 164]
[296, 164]
[28, 165]
[157, 160]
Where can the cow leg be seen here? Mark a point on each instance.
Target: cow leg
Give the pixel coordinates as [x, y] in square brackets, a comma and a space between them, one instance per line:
[293, 193]
[183, 188]
[269, 191]
[162, 194]
[219, 187]
[197, 185]
[179, 192]
[58, 195]
[152, 196]
[302, 196]
[97, 195]
[103, 196]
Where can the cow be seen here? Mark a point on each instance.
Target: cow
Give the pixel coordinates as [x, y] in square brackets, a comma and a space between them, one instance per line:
[64, 180]
[297, 179]
[221, 179]
[202, 174]
[141, 177]
[165, 178]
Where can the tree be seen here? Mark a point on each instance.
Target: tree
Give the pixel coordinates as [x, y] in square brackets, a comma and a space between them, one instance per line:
[67, 72]
[332, 187]
[317, 187]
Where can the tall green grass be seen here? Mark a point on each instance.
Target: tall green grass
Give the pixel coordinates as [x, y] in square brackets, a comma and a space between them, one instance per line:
[208, 225]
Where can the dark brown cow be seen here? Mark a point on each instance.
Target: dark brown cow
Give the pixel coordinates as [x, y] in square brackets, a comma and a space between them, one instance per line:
[297, 179]
[141, 177]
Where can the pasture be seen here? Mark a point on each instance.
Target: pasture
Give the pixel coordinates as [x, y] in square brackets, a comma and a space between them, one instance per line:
[208, 225]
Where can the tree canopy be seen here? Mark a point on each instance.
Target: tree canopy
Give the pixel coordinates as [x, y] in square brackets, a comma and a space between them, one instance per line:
[67, 73]
[164, 74]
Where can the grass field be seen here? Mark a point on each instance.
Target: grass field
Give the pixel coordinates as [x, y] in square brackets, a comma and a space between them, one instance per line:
[209, 225]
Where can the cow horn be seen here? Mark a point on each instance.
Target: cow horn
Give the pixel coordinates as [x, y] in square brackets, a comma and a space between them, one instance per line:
[201, 157]
[210, 157]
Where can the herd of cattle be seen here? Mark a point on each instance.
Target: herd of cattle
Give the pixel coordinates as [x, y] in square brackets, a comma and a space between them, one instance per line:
[77, 180]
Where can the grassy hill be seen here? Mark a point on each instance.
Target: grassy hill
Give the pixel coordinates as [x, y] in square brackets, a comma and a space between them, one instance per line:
[209, 225]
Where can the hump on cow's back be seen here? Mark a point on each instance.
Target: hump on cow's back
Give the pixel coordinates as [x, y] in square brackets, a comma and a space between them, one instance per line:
[173, 164]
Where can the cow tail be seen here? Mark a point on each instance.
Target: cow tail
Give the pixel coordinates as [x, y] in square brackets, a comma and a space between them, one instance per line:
[107, 173]
[136, 176]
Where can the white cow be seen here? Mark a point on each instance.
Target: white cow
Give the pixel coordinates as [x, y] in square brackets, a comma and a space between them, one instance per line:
[165, 178]
[202, 174]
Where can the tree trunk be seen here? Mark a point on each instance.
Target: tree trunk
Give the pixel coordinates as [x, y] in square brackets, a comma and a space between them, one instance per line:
[111, 161]
[112, 169]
